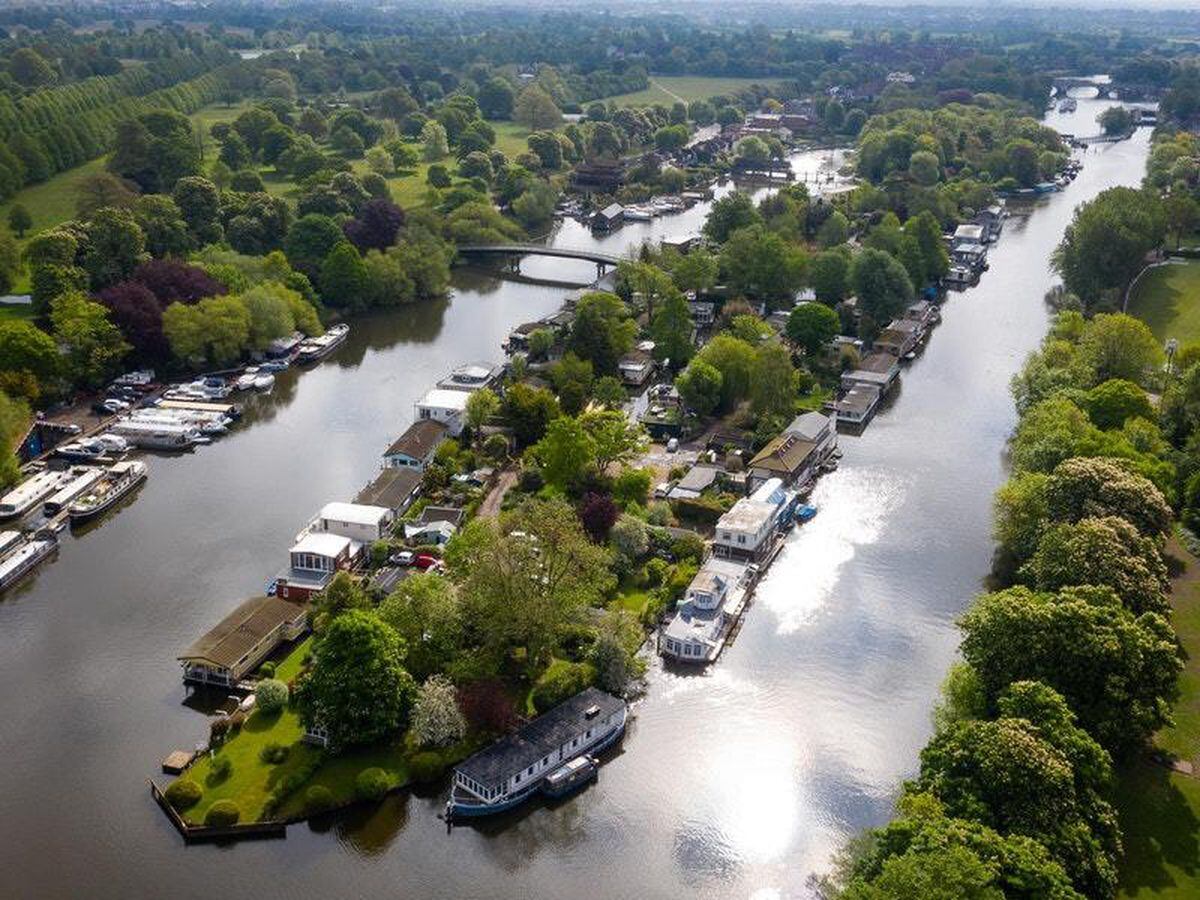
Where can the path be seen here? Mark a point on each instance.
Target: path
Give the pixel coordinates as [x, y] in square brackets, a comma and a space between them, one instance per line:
[490, 507]
[670, 93]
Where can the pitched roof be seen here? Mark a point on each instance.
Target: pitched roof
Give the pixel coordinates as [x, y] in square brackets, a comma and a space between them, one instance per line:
[785, 453]
[230, 639]
[431, 514]
[539, 738]
[392, 488]
[419, 440]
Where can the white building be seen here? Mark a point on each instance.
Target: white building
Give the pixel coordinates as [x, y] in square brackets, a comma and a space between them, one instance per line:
[313, 561]
[445, 406]
[713, 602]
[356, 521]
[748, 532]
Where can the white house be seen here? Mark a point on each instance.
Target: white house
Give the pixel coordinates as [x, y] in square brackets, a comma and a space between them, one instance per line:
[313, 561]
[748, 532]
[356, 521]
[472, 377]
[445, 406]
[710, 607]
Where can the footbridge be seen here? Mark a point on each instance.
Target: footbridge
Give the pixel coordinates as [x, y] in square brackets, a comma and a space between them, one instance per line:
[516, 251]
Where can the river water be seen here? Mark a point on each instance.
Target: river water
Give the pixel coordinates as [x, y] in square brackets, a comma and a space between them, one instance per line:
[741, 782]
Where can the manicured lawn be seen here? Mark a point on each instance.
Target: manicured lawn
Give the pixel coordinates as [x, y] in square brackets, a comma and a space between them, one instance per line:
[666, 89]
[1159, 809]
[632, 600]
[815, 399]
[289, 668]
[1168, 300]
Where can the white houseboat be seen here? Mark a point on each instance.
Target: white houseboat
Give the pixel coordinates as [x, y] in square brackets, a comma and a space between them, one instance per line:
[155, 436]
[710, 608]
[315, 348]
[118, 482]
[20, 555]
[82, 478]
[525, 763]
[27, 495]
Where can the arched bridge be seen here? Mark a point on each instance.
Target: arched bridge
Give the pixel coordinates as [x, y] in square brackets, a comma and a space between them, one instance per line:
[602, 260]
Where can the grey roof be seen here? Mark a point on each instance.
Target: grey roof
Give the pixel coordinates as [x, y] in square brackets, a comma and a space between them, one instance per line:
[393, 487]
[419, 439]
[544, 735]
[698, 478]
[431, 514]
[231, 638]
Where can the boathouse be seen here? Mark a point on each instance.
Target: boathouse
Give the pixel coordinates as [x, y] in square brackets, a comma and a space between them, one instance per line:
[511, 769]
[239, 642]
[447, 407]
[415, 448]
[313, 561]
[709, 609]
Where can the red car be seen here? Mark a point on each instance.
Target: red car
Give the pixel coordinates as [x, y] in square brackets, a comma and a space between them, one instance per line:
[425, 561]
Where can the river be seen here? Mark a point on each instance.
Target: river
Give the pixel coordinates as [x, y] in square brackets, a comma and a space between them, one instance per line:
[740, 782]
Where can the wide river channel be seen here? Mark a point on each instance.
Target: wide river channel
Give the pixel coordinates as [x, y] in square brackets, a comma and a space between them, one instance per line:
[741, 782]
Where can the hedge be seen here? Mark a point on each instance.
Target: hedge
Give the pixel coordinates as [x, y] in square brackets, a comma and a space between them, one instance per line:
[183, 794]
[222, 814]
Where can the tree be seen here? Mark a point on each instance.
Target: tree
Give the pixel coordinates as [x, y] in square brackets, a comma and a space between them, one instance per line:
[19, 219]
[811, 326]
[434, 143]
[630, 542]
[234, 152]
[699, 386]
[14, 420]
[481, 406]
[1019, 513]
[216, 329]
[524, 577]
[730, 213]
[671, 329]
[170, 280]
[1106, 552]
[29, 361]
[536, 109]
[774, 386]
[200, 204]
[357, 689]
[1082, 488]
[1119, 346]
[270, 696]
[735, 360]
[438, 176]
[602, 331]
[925, 168]
[760, 263]
[695, 271]
[829, 275]
[1181, 212]
[476, 165]
[155, 150]
[343, 280]
[598, 513]
[114, 248]
[535, 207]
[1106, 243]
[29, 69]
[616, 439]
[565, 453]
[672, 137]
[529, 412]
[10, 261]
[834, 231]
[136, 311]
[93, 344]
[1117, 671]
[309, 242]
[425, 611]
[928, 233]
[376, 226]
[95, 192]
[496, 97]
[1116, 120]
[1112, 402]
[547, 147]
[881, 283]
[162, 224]
[436, 719]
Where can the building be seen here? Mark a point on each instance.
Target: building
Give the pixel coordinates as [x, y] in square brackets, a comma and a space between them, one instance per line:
[924, 313]
[858, 404]
[877, 369]
[472, 377]
[612, 216]
[236, 645]
[636, 367]
[900, 338]
[513, 769]
[795, 455]
[968, 234]
[697, 480]
[748, 533]
[313, 561]
[434, 524]
[415, 448]
[394, 488]
[447, 407]
[706, 615]
[358, 521]
[703, 312]
[991, 220]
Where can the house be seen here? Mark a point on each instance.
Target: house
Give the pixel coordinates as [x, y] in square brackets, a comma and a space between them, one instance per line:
[924, 313]
[697, 480]
[795, 455]
[900, 337]
[748, 533]
[636, 367]
[514, 767]
[358, 521]
[236, 645]
[857, 405]
[448, 407]
[703, 312]
[472, 377]
[438, 523]
[394, 488]
[663, 416]
[991, 221]
[967, 234]
[710, 607]
[972, 257]
[518, 338]
[877, 369]
[612, 216]
[415, 448]
[313, 561]
[430, 534]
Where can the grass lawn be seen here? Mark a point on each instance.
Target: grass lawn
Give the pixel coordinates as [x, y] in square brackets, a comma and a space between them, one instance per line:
[289, 667]
[1168, 300]
[633, 600]
[815, 399]
[15, 311]
[1160, 809]
[666, 89]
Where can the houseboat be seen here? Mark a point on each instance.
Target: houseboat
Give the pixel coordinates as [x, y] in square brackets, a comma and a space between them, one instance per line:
[711, 606]
[315, 348]
[205, 423]
[20, 555]
[226, 410]
[155, 436]
[120, 481]
[82, 479]
[27, 495]
[531, 760]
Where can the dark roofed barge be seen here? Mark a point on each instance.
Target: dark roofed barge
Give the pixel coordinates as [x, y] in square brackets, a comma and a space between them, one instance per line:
[515, 768]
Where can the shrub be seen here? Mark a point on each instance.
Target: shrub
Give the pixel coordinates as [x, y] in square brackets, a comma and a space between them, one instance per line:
[274, 753]
[371, 784]
[183, 794]
[221, 768]
[560, 682]
[690, 546]
[222, 814]
[267, 670]
[317, 799]
[425, 767]
[270, 696]
[217, 730]
[236, 721]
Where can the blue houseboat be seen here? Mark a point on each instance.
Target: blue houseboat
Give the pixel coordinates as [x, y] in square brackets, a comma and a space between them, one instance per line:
[528, 761]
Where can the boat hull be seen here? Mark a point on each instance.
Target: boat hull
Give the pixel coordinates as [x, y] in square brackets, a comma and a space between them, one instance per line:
[80, 515]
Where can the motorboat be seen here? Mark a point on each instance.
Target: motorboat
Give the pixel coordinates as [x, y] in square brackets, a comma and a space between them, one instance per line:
[246, 381]
[571, 777]
[120, 481]
[315, 348]
[158, 436]
[112, 443]
[264, 381]
[274, 365]
[82, 478]
[30, 493]
[87, 450]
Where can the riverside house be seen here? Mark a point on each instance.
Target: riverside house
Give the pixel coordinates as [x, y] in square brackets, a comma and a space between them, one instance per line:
[749, 532]
[235, 646]
[415, 448]
[356, 521]
[447, 407]
[313, 561]
[794, 456]
[706, 615]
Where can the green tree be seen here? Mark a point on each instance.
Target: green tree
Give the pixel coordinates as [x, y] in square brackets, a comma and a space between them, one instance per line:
[344, 277]
[695, 271]
[672, 329]
[730, 213]
[834, 231]
[19, 219]
[10, 261]
[155, 150]
[1112, 402]
[434, 143]
[200, 204]
[1081, 488]
[358, 689]
[735, 360]
[602, 331]
[529, 412]
[829, 275]
[162, 224]
[536, 109]
[14, 420]
[1115, 120]
[270, 312]
[115, 247]
[881, 284]
[481, 406]
[309, 242]
[565, 453]
[1019, 512]
[762, 264]
[773, 385]
[1119, 346]
[699, 386]
[93, 344]
[436, 719]
[811, 326]
[615, 438]
[27, 350]
[925, 168]
[29, 69]
[496, 97]
[1181, 212]
[1117, 672]
[425, 611]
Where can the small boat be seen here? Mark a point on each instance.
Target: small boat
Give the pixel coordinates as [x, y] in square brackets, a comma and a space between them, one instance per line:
[156, 436]
[121, 480]
[88, 450]
[805, 513]
[20, 555]
[246, 381]
[910, 355]
[264, 382]
[830, 465]
[1069, 105]
[315, 348]
[274, 365]
[571, 776]
[112, 443]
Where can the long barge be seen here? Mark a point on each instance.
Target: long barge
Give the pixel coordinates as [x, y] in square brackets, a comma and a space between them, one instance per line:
[20, 555]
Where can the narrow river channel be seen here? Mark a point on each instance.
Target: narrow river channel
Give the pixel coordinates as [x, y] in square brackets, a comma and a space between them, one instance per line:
[738, 783]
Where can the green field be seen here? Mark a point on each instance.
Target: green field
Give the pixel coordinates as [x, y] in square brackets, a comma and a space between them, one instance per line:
[1168, 300]
[667, 89]
[1160, 809]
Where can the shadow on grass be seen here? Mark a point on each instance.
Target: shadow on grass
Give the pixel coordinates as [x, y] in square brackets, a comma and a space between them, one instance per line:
[261, 721]
[1160, 826]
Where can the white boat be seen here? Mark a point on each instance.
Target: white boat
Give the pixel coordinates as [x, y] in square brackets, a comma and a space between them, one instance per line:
[154, 436]
[117, 483]
[203, 425]
[82, 479]
[264, 382]
[19, 556]
[113, 443]
[246, 381]
[87, 450]
[27, 495]
[314, 348]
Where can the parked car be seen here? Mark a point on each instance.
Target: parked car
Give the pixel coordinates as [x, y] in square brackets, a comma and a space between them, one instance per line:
[115, 405]
[403, 558]
[424, 562]
[672, 445]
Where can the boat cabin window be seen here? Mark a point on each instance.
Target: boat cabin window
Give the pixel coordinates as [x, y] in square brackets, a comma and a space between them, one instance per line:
[591, 712]
[531, 770]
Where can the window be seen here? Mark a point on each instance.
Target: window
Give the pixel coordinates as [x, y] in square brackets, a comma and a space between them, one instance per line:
[531, 770]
